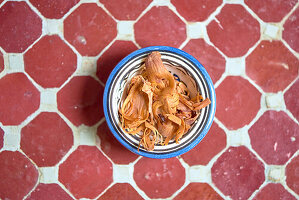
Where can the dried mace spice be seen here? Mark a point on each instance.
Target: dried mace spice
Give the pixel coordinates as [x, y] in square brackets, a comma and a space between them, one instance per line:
[158, 106]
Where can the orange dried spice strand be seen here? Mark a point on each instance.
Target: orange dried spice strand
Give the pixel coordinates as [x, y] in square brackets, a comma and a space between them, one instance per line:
[158, 106]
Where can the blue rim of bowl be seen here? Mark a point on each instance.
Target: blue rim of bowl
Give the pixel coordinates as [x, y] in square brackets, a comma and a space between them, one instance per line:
[210, 88]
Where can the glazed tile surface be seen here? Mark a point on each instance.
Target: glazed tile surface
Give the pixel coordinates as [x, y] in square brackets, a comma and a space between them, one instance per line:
[55, 57]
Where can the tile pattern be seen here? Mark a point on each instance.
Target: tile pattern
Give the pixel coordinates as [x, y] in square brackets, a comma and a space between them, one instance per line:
[18, 175]
[50, 62]
[290, 31]
[195, 10]
[19, 98]
[53, 9]
[237, 173]
[20, 26]
[89, 29]
[121, 191]
[55, 57]
[48, 192]
[274, 191]
[160, 26]
[233, 30]
[39, 139]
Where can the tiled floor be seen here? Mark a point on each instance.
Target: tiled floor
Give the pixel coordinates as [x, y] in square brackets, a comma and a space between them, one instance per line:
[55, 57]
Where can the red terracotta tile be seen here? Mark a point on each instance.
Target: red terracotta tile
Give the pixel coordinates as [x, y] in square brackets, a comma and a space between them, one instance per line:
[198, 191]
[160, 26]
[86, 172]
[291, 99]
[211, 145]
[1, 138]
[116, 52]
[53, 9]
[121, 191]
[196, 10]
[271, 11]
[236, 96]
[48, 192]
[19, 98]
[1, 62]
[159, 178]
[269, 142]
[125, 10]
[234, 30]
[89, 29]
[17, 175]
[19, 26]
[81, 100]
[39, 139]
[112, 148]
[292, 175]
[50, 61]
[274, 192]
[208, 56]
[238, 173]
[290, 30]
[272, 66]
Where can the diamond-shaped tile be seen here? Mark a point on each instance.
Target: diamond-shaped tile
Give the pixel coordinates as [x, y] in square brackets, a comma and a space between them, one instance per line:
[290, 30]
[271, 31]
[292, 175]
[19, 98]
[16, 62]
[116, 52]
[271, 11]
[19, 26]
[18, 175]
[125, 30]
[160, 26]
[196, 10]
[89, 29]
[125, 10]
[48, 174]
[50, 61]
[272, 66]
[291, 99]
[274, 192]
[238, 173]
[236, 96]
[48, 192]
[121, 191]
[81, 100]
[198, 191]
[11, 141]
[111, 147]
[235, 66]
[275, 173]
[159, 178]
[86, 172]
[234, 30]
[202, 153]
[275, 137]
[274, 100]
[39, 139]
[54, 9]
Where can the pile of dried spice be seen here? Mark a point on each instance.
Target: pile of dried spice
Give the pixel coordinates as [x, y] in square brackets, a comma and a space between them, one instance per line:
[158, 106]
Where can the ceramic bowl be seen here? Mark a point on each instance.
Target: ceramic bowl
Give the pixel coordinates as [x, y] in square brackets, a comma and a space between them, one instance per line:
[188, 70]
